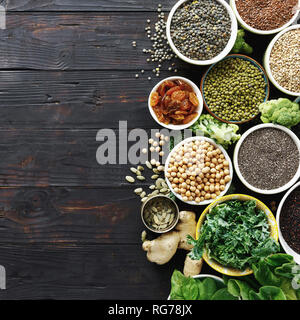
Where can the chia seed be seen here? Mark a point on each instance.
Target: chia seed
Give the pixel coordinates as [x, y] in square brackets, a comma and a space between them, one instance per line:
[201, 29]
[268, 158]
[290, 220]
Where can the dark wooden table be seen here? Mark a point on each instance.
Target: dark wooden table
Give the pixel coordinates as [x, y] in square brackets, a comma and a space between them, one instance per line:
[70, 228]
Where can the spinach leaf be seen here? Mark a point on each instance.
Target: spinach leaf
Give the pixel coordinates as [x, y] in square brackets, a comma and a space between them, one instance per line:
[178, 281]
[190, 289]
[223, 294]
[239, 289]
[267, 293]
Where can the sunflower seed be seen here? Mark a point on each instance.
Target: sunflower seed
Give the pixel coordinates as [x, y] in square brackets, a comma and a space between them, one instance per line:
[130, 179]
[141, 178]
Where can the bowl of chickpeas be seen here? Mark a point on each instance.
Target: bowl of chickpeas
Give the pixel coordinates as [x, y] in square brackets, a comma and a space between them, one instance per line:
[198, 171]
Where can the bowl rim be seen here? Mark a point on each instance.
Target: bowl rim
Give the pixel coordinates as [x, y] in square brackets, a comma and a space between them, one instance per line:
[199, 110]
[206, 202]
[205, 275]
[220, 56]
[236, 165]
[175, 221]
[267, 60]
[262, 32]
[236, 56]
[242, 197]
[284, 244]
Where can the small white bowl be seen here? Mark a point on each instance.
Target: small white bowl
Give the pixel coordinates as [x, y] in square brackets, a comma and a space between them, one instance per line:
[201, 276]
[236, 153]
[284, 244]
[267, 62]
[199, 109]
[257, 31]
[220, 56]
[216, 145]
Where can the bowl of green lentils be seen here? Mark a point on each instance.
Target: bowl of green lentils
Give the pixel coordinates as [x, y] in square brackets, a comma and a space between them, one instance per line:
[201, 32]
[234, 88]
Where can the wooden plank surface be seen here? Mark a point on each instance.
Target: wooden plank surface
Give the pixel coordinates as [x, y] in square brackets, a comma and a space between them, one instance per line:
[86, 5]
[70, 228]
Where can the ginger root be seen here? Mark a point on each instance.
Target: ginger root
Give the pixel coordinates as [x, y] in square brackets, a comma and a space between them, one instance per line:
[192, 267]
[162, 249]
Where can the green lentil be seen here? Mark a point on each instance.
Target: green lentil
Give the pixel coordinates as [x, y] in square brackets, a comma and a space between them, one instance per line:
[201, 29]
[234, 88]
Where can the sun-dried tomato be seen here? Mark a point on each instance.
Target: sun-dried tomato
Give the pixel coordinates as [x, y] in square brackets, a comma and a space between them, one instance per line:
[193, 98]
[154, 99]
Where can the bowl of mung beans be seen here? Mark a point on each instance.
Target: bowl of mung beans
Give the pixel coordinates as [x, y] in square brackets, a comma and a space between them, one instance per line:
[233, 89]
[201, 32]
[282, 61]
[198, 171]
[265, 17]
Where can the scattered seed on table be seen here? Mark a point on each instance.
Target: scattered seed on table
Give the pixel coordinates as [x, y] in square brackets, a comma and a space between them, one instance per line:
[138, 191]
[141, 178]
[149, 165]
[133, 170]
[130, 179]
[154, 177]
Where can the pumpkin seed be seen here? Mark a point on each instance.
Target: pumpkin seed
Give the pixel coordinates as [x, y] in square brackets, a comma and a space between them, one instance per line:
[154, 177]
[138, 191]
[152, 187]
[149, 165]
[143, 194]
[140, 168]
[155, 192]
[156, 171]
[156, 220]
[163, 190]
[164, 226]
[145, 199]
[138, 173]
[154, 209]
[141, 178]
[133, 170]
[161, 168]
[144, 236]
[130, 179]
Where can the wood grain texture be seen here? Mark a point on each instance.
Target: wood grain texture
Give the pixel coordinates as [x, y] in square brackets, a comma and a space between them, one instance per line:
[64, 216]
[77, 41]
[84, 272]
[89, 99]
[87, 5]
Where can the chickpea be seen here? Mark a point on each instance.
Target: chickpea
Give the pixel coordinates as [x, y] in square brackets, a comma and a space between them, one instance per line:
[206, 188]
[226, 172]
[207, 196]
[198, 200]
[205, 170]
[212, 188]
[185, 198]
[227, 179]
[222, 187]
[222, 181]
[213, 196]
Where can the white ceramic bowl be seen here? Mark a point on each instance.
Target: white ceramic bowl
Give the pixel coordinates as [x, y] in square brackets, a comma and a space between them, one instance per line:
[261, 32]
[227, 49]
[236, 165]
[201, 276]
[284, 244]
[216, 145]
[199, 109]
[267, 61]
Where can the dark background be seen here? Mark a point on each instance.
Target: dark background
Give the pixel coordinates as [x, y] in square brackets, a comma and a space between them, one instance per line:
[70, 228]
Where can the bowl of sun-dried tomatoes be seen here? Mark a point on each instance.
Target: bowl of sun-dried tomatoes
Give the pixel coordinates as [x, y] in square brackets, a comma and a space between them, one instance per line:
[175, 103]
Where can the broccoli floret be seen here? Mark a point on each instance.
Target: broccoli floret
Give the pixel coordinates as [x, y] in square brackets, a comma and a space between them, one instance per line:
[240, 45]
[222, 133]
[281, 111]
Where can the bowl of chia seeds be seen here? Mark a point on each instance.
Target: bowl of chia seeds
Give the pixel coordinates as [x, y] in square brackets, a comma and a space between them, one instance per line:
[201, 32]
[267, 159]
[233, 89]
[265, 17]
[288, 220]
[282, 61]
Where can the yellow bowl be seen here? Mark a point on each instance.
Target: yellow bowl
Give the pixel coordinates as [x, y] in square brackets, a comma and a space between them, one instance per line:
[273, 230]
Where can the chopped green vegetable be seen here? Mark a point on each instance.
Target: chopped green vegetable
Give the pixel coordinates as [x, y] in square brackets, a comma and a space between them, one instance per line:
[222, 133]
[240, 45]
[236, 234]
[281, 111]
